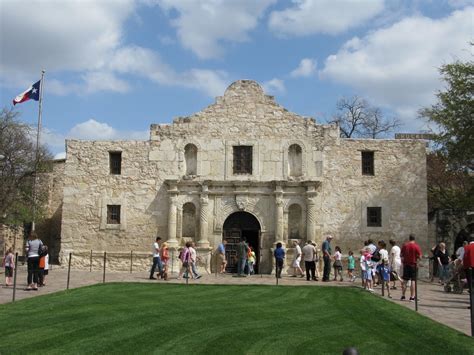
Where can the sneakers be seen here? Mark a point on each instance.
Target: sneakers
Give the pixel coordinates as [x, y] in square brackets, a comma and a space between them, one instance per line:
[370, 289]
[402, 298]
[412, 299]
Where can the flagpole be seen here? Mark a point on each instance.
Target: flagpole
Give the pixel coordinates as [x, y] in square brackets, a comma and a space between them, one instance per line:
[38, 134]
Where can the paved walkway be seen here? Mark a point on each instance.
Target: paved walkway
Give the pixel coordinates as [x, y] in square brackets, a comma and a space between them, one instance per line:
[447, 308]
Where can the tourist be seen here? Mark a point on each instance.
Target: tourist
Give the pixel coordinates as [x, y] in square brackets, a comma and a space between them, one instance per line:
[383, 259]
[43, 266]
[297, 260]
[185, 257]
[279, 254]
[309, 264]
[33, 248]
[460, 251]
[193, 259]
[395, 263]
[165, 258]
[366, 268]
[156, 259]
[316, 261]
[251, 261]
[326, 249]
[351, 266]
[442, 258]
[468, 262]
[337, 264]
[221, 256]
[242, 253]
[410, 255]
[9, 265]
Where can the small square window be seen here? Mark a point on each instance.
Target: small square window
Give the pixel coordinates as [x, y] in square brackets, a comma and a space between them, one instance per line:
[113, 214]
[367, 163]
[374, 216]
[115, 162]
[242, 159]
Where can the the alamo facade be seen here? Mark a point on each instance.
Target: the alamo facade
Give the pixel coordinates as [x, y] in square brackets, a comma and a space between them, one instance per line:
[242, 167]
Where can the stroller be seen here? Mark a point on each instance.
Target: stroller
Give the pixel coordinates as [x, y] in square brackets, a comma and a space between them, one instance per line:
[455, 281]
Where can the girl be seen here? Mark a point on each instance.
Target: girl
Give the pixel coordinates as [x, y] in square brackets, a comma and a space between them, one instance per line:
[366, 267]
[43, 266]
[185, 257]
[251, 261]
[337, 263]
[9, 264]
[165, 257]
[351, 266]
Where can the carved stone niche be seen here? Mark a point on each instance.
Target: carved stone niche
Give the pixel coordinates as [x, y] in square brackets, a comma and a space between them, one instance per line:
[241, 201]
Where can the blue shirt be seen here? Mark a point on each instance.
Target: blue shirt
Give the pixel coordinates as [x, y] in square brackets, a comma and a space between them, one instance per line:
[221, 248]
[279, 253]
[326, 247]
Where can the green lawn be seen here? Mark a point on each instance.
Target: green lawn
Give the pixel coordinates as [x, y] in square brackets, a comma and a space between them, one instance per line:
[208, 319]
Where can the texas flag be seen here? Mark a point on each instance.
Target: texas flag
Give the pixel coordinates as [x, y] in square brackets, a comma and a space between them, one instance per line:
[33, 93]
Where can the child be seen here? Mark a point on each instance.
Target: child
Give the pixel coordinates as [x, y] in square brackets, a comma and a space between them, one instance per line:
[9, 264]
[165, 257]
[385, 277]
[251, 261]
[338, 263]
[279, 255]
[351, 266]
[44, 266]
[366, 267]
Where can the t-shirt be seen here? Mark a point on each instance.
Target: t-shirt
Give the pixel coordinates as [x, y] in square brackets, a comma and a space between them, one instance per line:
[337, 255]
[221, 248]
[410, 253]
[460, 253]
[279, 253]
[395, 255]
[8, 260]
[243, 247]
[156, 250]
[252, 257]
[326, 247]
[443, 257]
[468, 260]
[297, 251]
[308, 252]
[185, 255]
[33, 247]
[192, 254]
[350, 262]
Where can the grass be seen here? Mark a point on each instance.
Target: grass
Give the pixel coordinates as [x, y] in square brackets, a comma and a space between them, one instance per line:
[142, 318]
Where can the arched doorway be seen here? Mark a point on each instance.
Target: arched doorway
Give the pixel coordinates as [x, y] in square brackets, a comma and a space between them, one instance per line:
[237, 226]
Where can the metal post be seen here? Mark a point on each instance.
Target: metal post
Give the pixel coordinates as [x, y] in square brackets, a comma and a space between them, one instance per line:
[90, 264]
[172, 261]
[276, 271]
[105, 260]
[471, 298]
[383, 286]
[416, 288]
[217, 261]
[14, 277]
[131, 261]
[69, 271]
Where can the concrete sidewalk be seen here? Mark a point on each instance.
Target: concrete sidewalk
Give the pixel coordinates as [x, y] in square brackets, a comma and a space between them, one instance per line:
[447, 308]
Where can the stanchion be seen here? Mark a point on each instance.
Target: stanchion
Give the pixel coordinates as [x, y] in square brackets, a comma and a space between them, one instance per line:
[105, 260]
[69, 271]
[131, 261]
[471, 298]
[172, 261]
[14, 277]
[90, 264]
[383, 285]
[276, 271]
[217, 262]
[416, 288]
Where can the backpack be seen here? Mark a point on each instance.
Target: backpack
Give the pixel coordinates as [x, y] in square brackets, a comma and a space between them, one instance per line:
[376, 255]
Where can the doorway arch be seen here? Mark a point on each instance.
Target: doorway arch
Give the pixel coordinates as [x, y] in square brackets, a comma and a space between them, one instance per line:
[240, 225]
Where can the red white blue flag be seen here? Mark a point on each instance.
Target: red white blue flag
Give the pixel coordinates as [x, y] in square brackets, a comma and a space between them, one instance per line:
[33, 93]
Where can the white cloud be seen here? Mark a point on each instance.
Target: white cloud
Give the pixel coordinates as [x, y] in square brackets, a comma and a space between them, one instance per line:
[398, 66]
[94, 130]
[307, 17]
[203, 25]
[306, 68]
[274, 86]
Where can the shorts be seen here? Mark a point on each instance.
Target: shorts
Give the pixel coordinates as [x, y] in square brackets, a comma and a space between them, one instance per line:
[222, 259]
[409, 272]
[350, 270]
[337, 265]
[367, 275]
[296, 262]
[8, 271]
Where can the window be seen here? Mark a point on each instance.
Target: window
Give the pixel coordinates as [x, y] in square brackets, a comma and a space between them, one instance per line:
[295, 160]
[367, 163]
[243, 159]
[190, 158]
[113, 214]
[374, 216]
[115, 162]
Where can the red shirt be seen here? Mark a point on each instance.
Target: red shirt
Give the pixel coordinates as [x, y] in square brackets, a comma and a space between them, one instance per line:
[410, 253]
[468, 260]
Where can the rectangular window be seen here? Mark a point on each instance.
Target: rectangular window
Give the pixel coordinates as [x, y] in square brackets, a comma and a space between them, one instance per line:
[374, 216]
[367, 163]
[113, 214]
[115, 162]
[242, 159]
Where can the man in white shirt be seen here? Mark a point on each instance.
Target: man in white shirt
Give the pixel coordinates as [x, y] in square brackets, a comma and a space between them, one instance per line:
[296, 262]
[156, 259]
[308, 256]
[395, 261]
[193, 257]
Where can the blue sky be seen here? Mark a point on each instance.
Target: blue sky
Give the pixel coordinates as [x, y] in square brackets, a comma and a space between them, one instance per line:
[113, 67]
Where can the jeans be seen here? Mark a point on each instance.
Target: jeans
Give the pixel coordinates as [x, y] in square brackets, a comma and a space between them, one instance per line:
[194, 269]
[443, 272]
[33, 269]
[241, 266]
[279, 267]
[327, 267]
[310, 266]
[156, 262]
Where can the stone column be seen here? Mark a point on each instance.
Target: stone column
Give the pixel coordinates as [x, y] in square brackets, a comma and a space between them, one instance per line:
[203, 218]
[172, 217]
[311, 213]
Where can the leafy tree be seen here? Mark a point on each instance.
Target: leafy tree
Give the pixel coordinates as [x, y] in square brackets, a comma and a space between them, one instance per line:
[451, 167]
[18, 163]
[357, 118]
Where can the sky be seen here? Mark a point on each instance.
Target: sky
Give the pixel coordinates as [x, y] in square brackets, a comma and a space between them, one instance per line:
[114, 67]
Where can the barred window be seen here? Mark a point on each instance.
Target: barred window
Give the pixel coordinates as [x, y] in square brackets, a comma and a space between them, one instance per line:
[367, 163]
[113, 214]
[374, 216]
[115, 162]
[242, 159]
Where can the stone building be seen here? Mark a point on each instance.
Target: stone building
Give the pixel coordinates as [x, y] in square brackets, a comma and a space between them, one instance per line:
[242, 167]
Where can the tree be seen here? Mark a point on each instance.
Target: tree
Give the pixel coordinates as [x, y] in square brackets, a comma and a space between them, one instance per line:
[357, 118]
[451, 166]
[18, 163]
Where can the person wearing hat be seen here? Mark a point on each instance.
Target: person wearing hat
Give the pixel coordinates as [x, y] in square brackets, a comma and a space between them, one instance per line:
[326, 249]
